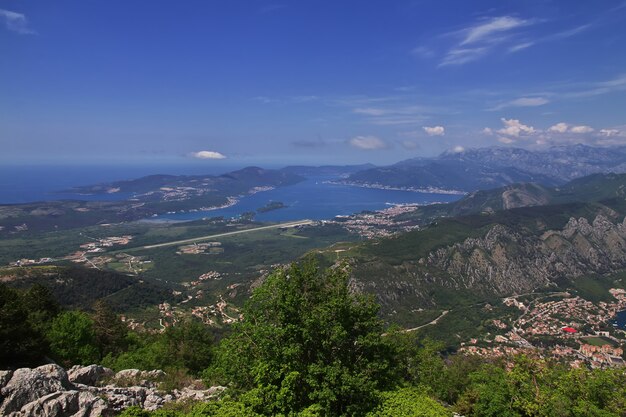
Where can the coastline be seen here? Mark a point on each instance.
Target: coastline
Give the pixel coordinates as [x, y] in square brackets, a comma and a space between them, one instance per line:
[428, 190]
[230, 201]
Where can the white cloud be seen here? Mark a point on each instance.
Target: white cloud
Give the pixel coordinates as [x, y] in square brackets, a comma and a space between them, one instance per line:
[478, 39]
[559, 128]
[565, 128]
[513, 127]
[581, 129]
[522, 102]
[207, 155]
[609, 132]
[367, 143]
[597, 88]
[16, 22]
[458, 149]
[391, 115]
[434, 130]
[560, 133]
[521, 46]
[529, 102]
[459, 56]
[495, 26]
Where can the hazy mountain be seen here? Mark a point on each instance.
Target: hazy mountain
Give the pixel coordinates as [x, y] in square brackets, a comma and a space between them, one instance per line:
[230, 182]
[486, 168]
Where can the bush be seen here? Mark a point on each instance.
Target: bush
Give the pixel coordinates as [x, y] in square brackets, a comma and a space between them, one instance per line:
[409, 402]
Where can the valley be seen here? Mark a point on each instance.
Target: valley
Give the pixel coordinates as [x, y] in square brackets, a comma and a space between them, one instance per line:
[456, 272]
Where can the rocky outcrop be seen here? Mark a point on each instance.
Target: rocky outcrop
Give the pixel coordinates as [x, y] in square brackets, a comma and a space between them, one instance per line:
[506, 261]
[502, 262]
[89, 375]
[90, 391]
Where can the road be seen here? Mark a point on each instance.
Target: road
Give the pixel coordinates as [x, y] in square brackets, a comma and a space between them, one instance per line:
[431, 323]
[236, 232]
[427, 324]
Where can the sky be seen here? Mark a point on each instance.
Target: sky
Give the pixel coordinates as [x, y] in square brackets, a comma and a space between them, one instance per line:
[305, 82]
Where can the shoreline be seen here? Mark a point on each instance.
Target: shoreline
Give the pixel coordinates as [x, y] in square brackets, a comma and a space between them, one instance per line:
[428, 190]
[230, 201]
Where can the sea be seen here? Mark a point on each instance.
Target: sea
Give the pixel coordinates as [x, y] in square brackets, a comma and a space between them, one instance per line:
[315, 198]
[620, 320]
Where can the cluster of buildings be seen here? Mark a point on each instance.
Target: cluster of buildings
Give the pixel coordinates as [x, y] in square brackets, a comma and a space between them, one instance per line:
[379, 223]
[565, 317]
[563, 322]
[178, 193]
[98, 245]
[221, 312]
[211, 248]
[601, 351]
[211, 275]
[26, 262]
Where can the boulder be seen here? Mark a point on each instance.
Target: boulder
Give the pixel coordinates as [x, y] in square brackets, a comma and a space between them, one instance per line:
[5, 377]
[65, 404]
[27, 385]
[48, 391]
[130, 377]
[89, 375]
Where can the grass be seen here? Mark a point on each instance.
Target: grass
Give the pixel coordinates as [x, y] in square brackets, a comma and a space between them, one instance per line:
[598, 341]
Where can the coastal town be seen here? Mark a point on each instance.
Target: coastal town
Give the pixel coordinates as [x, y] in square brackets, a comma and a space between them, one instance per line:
[380, 223]
[559, 326]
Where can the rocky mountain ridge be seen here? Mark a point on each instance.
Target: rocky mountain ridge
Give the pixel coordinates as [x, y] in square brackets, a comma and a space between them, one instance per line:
[503, 261]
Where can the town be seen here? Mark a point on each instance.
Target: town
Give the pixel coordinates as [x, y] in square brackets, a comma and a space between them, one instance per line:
[560, 326]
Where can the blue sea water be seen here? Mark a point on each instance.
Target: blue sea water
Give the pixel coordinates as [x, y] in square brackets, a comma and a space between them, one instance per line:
[24, 184]
[316, 199]
[310, 199]
[620, 320]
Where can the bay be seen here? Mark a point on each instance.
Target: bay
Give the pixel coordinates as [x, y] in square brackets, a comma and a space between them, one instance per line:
[315, 199]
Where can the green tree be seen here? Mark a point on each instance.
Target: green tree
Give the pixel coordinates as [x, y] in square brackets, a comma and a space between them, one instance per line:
[21, 343]
[189, 344]
[73, 339]
[307, 340]
[110, 332]
[41, 305]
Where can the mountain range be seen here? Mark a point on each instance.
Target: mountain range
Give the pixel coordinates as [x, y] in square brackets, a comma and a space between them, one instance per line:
[485, 168]
[493, 244]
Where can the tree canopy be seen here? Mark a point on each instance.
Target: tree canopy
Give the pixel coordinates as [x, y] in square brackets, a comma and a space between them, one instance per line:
[307, 340]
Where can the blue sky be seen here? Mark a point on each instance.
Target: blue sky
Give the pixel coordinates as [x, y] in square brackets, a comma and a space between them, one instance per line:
[230, 82]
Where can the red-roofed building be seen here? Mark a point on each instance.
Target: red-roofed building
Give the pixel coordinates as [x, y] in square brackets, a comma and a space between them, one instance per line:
[569, 330]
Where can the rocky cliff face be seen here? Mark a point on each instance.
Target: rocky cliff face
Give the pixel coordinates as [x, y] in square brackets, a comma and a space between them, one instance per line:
[502, 262]
[506, 261]
[50, 391]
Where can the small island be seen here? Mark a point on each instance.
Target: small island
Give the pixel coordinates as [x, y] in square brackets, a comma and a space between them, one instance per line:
[272, 205]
